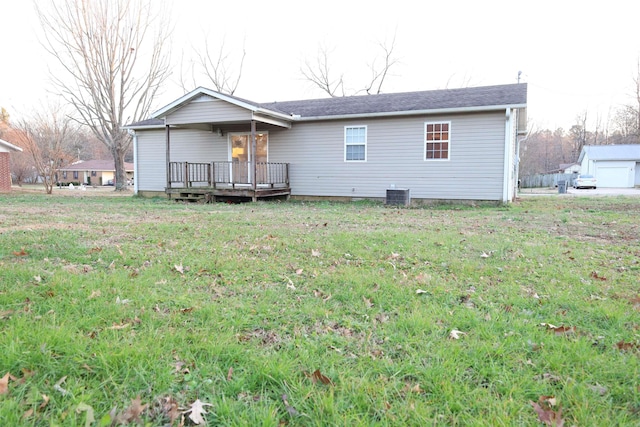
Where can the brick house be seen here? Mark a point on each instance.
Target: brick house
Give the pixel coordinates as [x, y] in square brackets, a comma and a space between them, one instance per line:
[5, 165]
[92, 172]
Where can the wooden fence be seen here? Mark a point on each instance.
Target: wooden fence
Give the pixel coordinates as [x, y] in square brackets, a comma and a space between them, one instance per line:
[546, 180]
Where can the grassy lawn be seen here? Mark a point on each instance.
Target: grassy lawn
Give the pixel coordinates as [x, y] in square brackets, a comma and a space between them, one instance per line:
[126, 310]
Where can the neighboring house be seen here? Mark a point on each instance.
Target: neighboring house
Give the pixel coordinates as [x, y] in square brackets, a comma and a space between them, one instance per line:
[569, 168]
[5, 165]
[92, 172]
[616, 166]
[452, 144]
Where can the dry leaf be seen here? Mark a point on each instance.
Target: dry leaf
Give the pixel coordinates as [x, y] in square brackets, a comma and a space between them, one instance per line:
[315, 253]
[597, 277]
[196, 412]
[83, 407]
[367, 302]
[299, 271]
[625, 346]
[4, 383]
[420, 291]
[484, 255]
[318, 376]
[5, 314]
[546, 414]
[290, 409]
[120, 326]
[133, 412]
[45, 401]
[229, 373]
[28, 413]
[455, 334]
[21, 253]
[57, 386]
[94, 294]
[179, 268]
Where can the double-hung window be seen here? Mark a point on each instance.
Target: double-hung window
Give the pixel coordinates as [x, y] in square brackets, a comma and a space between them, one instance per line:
[437, 137]
[355, 143]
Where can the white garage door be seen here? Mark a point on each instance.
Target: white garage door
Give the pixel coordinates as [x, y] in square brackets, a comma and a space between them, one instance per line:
[613, 177]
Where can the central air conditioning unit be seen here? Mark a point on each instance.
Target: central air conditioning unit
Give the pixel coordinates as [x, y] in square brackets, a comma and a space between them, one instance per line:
[398, 197]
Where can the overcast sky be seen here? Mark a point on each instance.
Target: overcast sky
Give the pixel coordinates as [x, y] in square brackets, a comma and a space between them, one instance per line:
[575, 55]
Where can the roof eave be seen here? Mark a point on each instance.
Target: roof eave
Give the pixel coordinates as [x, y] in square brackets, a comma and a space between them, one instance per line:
[9, 145]
[414, 112]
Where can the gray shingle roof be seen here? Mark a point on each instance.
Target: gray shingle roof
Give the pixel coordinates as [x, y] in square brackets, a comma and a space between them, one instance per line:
[613, 152]
[514, 94]
[444, 99]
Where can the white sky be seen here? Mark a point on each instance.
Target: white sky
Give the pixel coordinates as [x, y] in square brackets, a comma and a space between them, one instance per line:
[575, 55]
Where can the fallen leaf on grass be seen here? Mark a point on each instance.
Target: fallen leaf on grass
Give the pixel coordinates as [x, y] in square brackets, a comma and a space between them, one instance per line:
[45, 401]
[626, 346]
[58, 386]
[315, 253]
[4, 383]
[133, 412]
[299, 271]
[122, 301]
[420, 292]
[367, 302]
[595, 275]
[318, 376]
[455, 334]
[179, 268]
[290, 409]
[559, 330]
[597, 388]
[485, 255]
[20, 253]
[5, 314]
[95, 294]
[545, 413]
[28, 413]
[229, 373]
[119, 326]
[90, 419]
[196, 412]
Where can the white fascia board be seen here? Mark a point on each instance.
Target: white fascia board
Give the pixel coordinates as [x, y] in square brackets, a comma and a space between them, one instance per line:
[478, 109]
[263, 118]
[9, 145]
[147, 127]
[221, 96]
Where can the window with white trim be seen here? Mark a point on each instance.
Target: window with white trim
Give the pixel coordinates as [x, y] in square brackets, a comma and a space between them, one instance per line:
[355, 143]
[437, 137]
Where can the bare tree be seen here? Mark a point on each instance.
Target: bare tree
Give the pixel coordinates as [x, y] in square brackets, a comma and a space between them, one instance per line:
[22, 167]
[217, 66]
[113, 57]
[320, 74]
[47, 138]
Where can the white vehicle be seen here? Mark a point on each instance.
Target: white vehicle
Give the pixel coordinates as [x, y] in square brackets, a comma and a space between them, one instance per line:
[585, 181]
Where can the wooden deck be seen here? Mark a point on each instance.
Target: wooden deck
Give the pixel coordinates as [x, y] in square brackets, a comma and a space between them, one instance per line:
[223, 181]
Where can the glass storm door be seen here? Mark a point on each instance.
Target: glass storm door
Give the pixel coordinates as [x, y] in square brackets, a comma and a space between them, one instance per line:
[241, 156]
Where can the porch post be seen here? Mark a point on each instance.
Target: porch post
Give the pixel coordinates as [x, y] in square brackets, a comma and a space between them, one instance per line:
[167, 139]
[254, 178]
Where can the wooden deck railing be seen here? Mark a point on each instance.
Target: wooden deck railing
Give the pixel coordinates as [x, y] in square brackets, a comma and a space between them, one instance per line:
[227, 174]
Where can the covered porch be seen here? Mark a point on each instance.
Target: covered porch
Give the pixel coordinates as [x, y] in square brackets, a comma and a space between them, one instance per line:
[238, 166]
[211, 181]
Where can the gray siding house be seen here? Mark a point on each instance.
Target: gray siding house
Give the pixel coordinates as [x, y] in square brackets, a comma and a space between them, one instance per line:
[453, 144]
[615, 166]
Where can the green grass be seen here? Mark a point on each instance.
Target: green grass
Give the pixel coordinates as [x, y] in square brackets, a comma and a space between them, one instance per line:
[238, 305]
